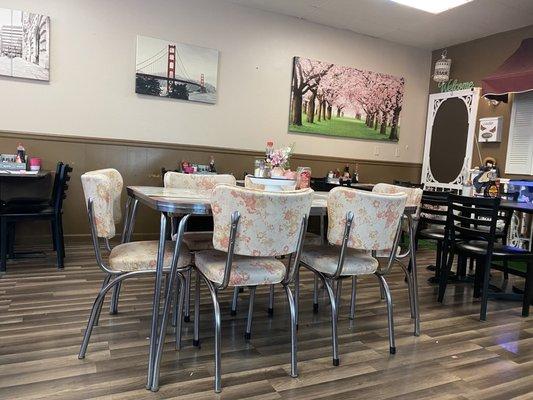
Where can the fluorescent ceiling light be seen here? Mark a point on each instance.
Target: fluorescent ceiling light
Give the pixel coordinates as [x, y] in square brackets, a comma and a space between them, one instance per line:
[433, 6]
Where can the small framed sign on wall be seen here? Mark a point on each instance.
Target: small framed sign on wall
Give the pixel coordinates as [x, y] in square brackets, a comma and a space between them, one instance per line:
[490, 129]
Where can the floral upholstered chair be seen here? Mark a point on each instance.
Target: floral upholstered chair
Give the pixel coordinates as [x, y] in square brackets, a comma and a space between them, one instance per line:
[199, 240]
[309, 238]
[102, 190]
[360, 223]
[251, 229]
[409, 228]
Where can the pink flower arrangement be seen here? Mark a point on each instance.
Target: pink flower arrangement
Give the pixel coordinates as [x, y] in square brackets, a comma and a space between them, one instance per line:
[280, 157]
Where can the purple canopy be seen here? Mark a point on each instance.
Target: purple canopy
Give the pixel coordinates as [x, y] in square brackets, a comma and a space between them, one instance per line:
[515, 75]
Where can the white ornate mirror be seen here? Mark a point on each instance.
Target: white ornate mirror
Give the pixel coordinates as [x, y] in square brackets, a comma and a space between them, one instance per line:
[450, 133]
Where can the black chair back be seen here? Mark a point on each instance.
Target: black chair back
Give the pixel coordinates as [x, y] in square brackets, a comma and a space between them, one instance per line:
[433, 209]
[55, 185]
[60, 189]
[472, 218]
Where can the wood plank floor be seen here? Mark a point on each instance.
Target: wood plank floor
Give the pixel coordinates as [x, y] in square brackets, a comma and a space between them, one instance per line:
[43, 313]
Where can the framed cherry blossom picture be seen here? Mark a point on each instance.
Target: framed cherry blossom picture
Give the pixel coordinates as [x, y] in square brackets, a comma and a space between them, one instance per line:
[327, 99]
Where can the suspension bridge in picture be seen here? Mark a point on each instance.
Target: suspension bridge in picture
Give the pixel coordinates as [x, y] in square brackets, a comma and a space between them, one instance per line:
[169, 62]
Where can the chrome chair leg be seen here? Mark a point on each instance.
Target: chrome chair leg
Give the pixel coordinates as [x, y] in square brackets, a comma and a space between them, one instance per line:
[381, 292]
[113, 308]
[294, 343]
[179, 309]
[216, 312]
[271, 301]
[297, 295]
[97, 305]
[353, 297]
[169, 288]
[234, 301]
[334, 339]
[409, 280]
[315, 294]
[196, 336]
[187, 317]
[338, 293]
[104, 283]
[385, 286]
[175, 301]
[248, 333]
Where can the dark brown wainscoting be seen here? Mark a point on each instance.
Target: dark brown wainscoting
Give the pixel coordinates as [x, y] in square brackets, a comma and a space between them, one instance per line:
[140, 163]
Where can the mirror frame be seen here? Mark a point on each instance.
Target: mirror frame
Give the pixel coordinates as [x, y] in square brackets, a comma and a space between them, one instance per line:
[471, 99]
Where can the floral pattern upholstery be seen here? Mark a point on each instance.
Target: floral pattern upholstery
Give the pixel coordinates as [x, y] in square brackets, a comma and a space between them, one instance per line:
[325, 259]
[197, 181]
[142, 256]
[414, 195]
[270, 222]
[104, 186]
[376, 218]
[197, 241]
[245, 271]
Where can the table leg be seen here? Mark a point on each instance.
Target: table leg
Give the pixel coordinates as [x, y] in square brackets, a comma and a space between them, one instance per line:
[127, 213]
[413, 222]
[131, 220]
[157, 298]
[169, 295]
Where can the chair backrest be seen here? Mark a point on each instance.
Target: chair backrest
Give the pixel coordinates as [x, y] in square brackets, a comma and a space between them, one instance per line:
[376, 218]
[56, 182]
[197, 181]
[59, 190]
[472, 218]
[270, 222]
[104, 187]
[414, 194]
[433, 209]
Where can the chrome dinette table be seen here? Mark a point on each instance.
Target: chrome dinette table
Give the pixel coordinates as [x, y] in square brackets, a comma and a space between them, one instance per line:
[184, 202]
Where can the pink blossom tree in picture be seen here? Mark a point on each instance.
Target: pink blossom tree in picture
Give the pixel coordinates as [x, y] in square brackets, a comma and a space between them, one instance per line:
[328, 99]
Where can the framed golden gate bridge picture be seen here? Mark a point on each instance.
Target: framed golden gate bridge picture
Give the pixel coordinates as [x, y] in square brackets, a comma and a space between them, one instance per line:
[176, 70]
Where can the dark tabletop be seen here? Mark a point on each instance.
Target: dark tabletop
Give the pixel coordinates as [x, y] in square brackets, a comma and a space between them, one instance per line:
[8, 175]
[516, 206]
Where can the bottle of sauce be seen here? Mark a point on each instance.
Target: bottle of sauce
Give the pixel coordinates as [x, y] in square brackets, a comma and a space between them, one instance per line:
[303, 180]
[355, 176]
[212, 167]
[21, 154]
[269, 149]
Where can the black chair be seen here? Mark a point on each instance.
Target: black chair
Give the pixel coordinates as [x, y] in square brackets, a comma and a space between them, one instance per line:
[471, 232]
[53, 212]
[37, 201]
[432, 223]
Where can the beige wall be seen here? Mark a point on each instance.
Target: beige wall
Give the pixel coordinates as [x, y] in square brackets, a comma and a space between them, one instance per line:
[91, 89]
[474, 60]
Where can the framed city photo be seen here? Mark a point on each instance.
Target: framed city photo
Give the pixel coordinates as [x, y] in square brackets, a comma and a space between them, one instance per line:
[176, 70]
[24, 45]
